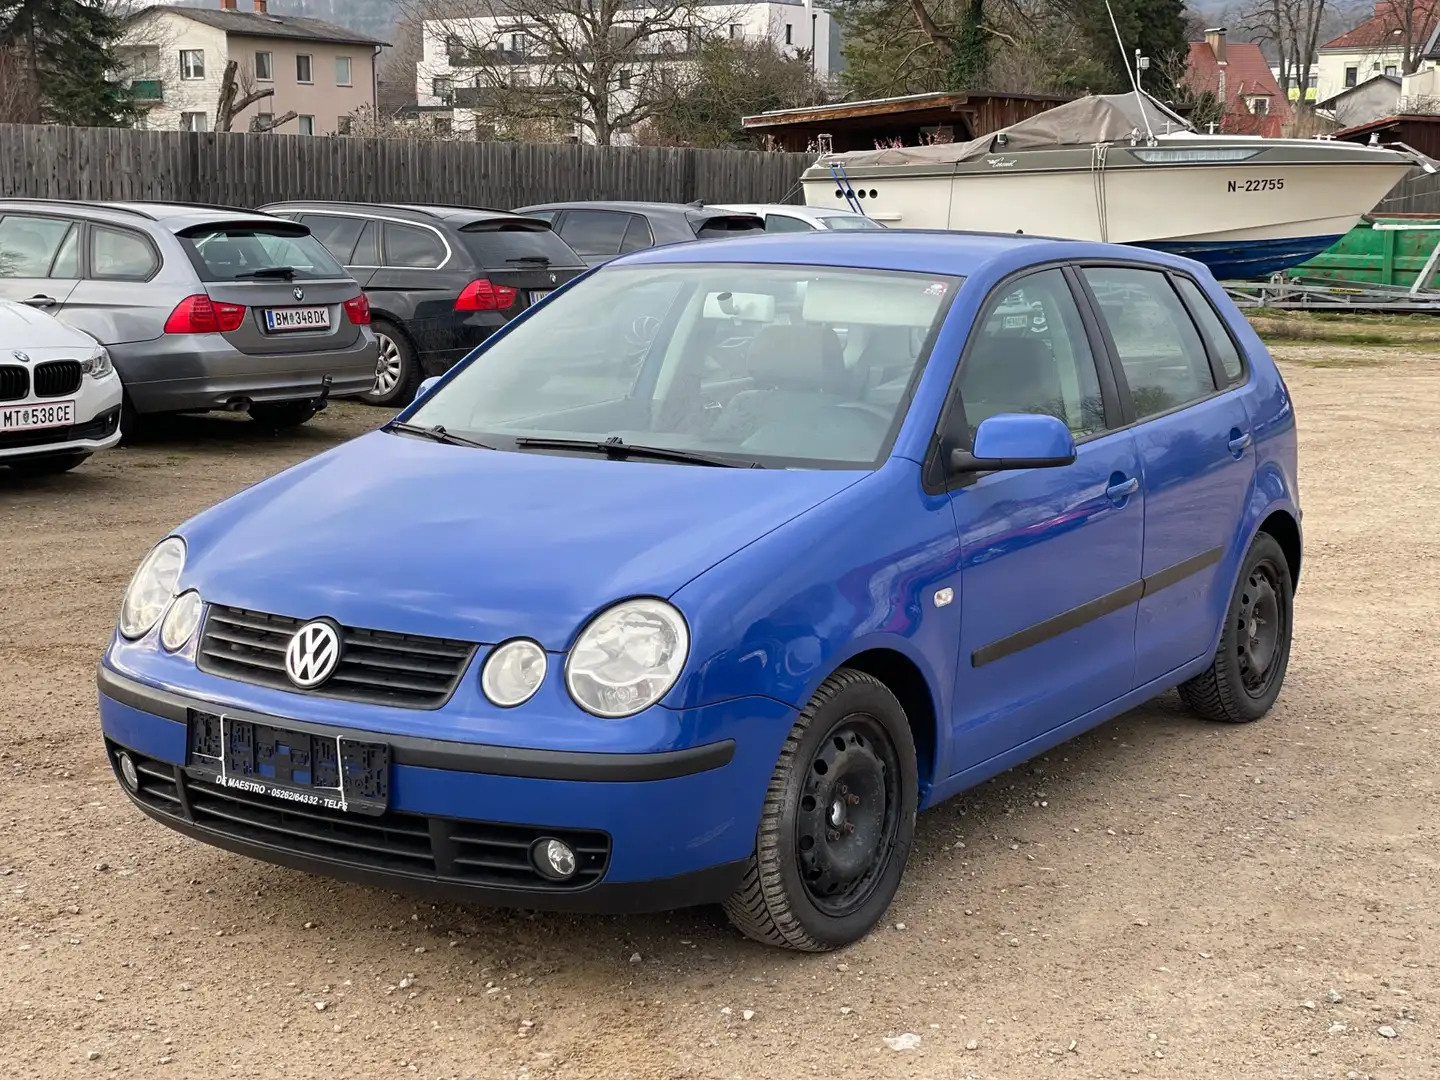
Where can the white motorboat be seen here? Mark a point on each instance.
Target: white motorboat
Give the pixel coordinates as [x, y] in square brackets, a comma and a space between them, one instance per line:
[1125, 169]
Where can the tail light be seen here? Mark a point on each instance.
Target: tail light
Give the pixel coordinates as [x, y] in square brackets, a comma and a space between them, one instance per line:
[358, 308]
[201, 315]
[483, 296]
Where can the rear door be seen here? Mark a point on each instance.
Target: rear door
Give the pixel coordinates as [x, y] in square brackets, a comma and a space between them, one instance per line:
[39, 259]
[290, 290]
[521, 254]
[1196, 458]
[112, 302]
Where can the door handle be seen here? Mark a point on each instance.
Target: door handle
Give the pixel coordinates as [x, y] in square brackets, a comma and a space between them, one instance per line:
[40, 301]
[1239, 442]
[1124, 489]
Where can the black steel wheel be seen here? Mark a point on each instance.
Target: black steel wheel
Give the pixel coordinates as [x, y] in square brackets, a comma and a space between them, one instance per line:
[837, 823]
[1245, 677]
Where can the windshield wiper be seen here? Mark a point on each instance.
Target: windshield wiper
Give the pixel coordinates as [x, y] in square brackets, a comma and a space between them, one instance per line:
[438, 434]
[614, 447]
[283, 273]
[538, 260]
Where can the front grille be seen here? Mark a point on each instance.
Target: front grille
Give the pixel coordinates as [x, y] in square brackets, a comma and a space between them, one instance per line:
[376, 667]
[14, 382]
[56, 378]
[445, 849]
[103, 426]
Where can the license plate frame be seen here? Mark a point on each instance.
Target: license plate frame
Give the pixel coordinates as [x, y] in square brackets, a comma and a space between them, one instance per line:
[288, 320]
[335, 772]
[536, 295]
[64, 415]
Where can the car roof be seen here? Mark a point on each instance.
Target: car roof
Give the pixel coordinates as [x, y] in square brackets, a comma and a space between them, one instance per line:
[631, 207]
[914, 250]
[423, 212]
[788, 208]
[174, 216]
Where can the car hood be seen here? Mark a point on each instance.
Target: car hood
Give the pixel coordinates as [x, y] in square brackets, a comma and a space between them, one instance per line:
[32, 330]
[390, 532]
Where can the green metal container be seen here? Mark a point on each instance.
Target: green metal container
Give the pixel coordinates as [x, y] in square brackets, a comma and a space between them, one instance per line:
[1376, 256]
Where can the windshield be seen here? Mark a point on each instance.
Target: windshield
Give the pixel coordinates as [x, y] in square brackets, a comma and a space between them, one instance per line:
[843, 222]
[784, 366]
[247, 253]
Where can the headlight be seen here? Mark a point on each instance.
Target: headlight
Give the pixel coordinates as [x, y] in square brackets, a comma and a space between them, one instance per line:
[152, 587]
[181, 620]
[513, 672]
[98, 364]
[628, 658]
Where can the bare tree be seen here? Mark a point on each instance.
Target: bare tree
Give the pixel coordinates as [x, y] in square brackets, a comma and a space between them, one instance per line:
[238, 93]
[600, 65]
[1291, 29]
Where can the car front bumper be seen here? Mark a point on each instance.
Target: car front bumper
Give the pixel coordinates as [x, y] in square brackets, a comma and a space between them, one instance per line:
[96, 427]
[674, 829]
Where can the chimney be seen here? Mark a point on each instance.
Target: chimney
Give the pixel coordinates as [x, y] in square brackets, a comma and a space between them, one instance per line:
[262, 7]
[1215, 38]
[227, 5]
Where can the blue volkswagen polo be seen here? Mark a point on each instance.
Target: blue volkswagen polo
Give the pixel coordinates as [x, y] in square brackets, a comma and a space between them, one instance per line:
[721, 563]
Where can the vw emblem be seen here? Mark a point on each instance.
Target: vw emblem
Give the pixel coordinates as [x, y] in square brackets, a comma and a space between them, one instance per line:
[299, 293]
[24, 358]
[312, 655]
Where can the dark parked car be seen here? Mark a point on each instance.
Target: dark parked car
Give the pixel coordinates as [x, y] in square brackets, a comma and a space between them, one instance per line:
[599, 231]
[440, 278]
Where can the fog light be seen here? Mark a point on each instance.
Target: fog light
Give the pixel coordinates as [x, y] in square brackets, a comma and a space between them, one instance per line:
[554, 859]
[128, 773]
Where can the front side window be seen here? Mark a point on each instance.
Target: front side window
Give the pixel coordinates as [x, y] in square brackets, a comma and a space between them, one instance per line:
[304, 68]
[787, 366]
[265, 66]
[342, 71]
[409, 246]
[192, 63]
[116, 254]
[1029, 354]
[29, 246]
[244, 252]
[1160, 350]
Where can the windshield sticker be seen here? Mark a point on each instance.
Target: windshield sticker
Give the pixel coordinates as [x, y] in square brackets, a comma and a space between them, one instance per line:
[936, 288]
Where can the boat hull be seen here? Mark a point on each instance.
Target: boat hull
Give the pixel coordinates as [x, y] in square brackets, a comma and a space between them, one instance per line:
[1243, 219]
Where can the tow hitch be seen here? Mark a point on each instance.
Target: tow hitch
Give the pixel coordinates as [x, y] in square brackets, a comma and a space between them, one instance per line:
[324, 399]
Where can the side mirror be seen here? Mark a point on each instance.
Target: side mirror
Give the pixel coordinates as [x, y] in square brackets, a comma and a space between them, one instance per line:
[1017, 441]
[426, 386]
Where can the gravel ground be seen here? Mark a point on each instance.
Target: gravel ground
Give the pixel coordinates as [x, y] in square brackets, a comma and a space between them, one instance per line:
[1160, 898]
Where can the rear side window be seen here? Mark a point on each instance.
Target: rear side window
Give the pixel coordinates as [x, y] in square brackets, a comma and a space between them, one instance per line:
[119, 255]
[500, 243]
[786, 223]
[412, 247]
[1159, 348]
[29, 245]
[594, 232]
[1221, 343]
[258, 253]
[67, 259]
[367, 249]
[338, 234]
[638, 236]
[855, 223]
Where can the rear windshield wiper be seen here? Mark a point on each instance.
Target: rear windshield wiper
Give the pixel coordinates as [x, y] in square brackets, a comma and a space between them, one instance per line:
[438, 434]
[284, 273]
[616, 448]
[539, 260]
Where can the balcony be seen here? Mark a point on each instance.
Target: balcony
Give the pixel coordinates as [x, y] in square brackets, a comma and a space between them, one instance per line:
[147, 91]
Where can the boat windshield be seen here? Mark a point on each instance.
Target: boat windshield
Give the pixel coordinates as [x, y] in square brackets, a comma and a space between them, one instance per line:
[741, 364]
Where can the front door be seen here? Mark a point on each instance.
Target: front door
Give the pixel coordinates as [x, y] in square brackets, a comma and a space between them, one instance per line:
[39, 260]
[1050, 557]
[1196, 460]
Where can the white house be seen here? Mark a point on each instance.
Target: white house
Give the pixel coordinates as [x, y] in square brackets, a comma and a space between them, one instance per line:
[1378, 45]
[449, 83]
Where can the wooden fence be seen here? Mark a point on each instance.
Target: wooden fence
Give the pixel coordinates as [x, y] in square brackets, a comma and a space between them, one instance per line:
[249, 170]
[1419, 193]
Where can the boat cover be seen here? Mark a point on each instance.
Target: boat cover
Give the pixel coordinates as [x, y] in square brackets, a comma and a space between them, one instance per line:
[1098, 118]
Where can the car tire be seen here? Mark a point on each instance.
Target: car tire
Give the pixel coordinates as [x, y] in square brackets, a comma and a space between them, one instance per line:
[1244, 679]
[397, 373]
[837, 823]
[282, 416]
[49, 466]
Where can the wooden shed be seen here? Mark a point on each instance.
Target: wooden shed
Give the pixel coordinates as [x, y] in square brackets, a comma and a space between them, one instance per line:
[859, 125]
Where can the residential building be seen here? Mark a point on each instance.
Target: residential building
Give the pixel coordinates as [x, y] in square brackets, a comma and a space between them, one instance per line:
[317, 75]
[1376, 97]
[1311, 83]
[464, 58]
[1378, 45]
[1238, 76]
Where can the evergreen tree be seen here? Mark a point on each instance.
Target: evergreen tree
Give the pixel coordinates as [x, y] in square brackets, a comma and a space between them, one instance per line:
[68, 48]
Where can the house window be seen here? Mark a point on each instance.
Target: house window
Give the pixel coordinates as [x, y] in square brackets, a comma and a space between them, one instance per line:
[307, 125]
[736, 31]
[444, 125]
[342, 71]
[1391, 70]
[264, 121]
[1351, 76]
[789, 30]
[265, 66]
[520, 77]
[517, 44]
[1311, 82]
[192, 121]
[345, 125]
[1260, 106]
[192, 63]
[304, 69]
[624, 80]
[443, 88]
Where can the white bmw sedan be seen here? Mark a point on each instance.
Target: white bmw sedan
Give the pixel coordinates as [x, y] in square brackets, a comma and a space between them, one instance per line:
[59, 395]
